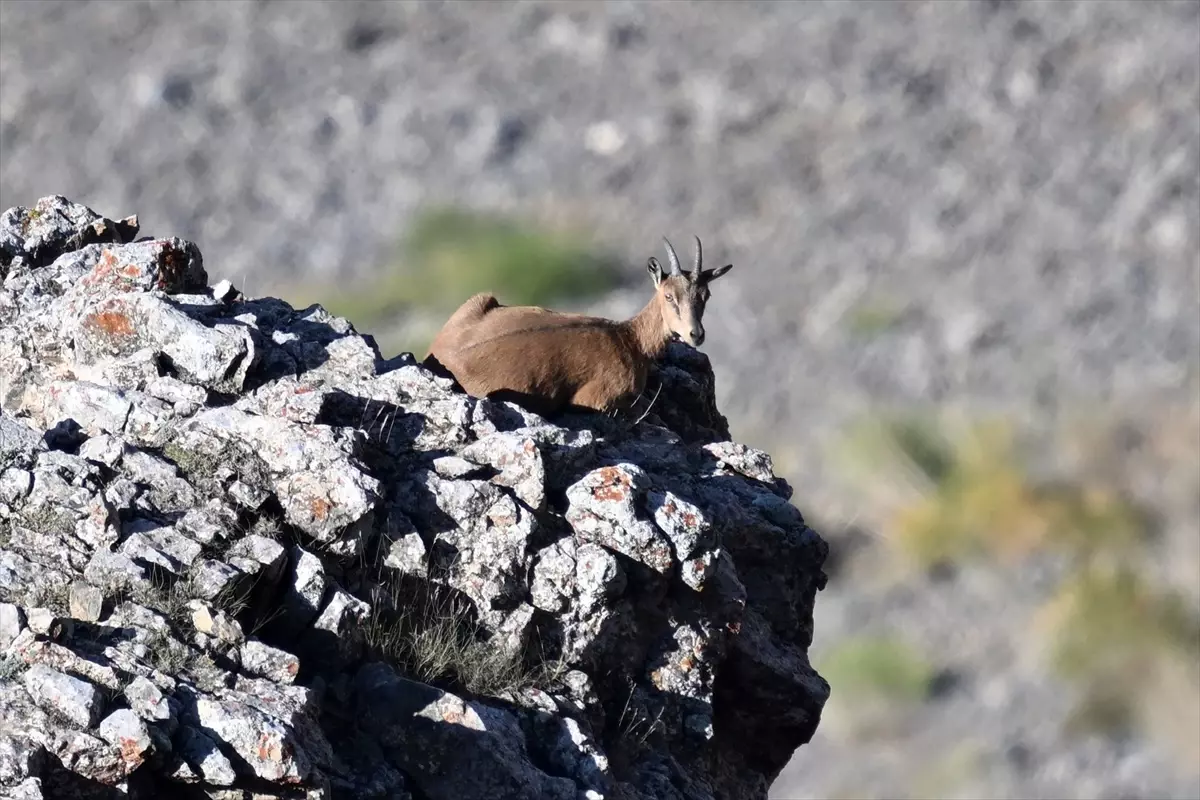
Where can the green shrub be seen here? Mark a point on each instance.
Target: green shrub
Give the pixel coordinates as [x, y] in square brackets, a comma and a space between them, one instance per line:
[451, 254]
[874, 318]
[1113, 635]
[876, 683]
[950, 773]
[878, 667]
[947, 494]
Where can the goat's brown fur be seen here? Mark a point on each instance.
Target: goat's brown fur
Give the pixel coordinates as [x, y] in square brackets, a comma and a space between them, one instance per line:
[549, 361]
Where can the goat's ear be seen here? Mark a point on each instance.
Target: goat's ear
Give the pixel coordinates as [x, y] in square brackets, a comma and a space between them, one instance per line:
[710, 275]
[655, 270]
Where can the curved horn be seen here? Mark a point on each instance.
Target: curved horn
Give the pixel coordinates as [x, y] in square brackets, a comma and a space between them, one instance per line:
[699, 260]
[672, 258]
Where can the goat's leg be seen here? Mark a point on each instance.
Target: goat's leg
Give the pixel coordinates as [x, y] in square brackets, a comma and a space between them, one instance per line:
[617, 410]
[434, 365]
[541, 406]
[593, 396]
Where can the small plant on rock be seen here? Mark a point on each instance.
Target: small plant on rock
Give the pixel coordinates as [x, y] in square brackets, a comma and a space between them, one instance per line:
[434, 638]
[168, 654]
[49, 594]
[635, 728]
[267, 527]
[48, 520]
[11, 667]
[166, 596]
[192, 462]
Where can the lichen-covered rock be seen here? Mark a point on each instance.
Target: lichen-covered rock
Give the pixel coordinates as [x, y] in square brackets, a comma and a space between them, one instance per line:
[604, 509]
[211, 579]
[149, 701]
[220, 516]
[212, 357]
[74, 699]
[263, 743]
[258, 556]
[408, 555]
[27, 728]
[86, 601]
[32, 237]
[208, 523]
[38, 650]
[567, 573]
[160, 547]
[691, 534]
[215, 623]
[90, 757]
[261, 659]
[519, 463]
[337, 633]
[308, 468]
[124, 730]
[45, 622]
[114, 572]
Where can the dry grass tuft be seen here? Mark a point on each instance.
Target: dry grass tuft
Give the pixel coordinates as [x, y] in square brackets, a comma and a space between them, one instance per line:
[432, 636]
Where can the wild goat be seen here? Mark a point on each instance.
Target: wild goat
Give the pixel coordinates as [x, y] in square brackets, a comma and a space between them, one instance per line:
[549, 361]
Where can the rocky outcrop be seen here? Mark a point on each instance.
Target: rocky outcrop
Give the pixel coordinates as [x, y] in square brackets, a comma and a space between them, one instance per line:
[241, 554]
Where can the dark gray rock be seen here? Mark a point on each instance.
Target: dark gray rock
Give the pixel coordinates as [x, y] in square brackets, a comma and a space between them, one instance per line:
[468, 750]
[201, 753]
[304, 592]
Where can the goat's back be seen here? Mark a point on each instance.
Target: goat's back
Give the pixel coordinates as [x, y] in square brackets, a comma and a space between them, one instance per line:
[490, 348]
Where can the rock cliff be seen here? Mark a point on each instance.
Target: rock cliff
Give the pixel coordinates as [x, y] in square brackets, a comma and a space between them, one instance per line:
[243, 555]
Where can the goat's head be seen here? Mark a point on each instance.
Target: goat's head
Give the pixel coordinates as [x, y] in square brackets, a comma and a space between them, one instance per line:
[682, 295]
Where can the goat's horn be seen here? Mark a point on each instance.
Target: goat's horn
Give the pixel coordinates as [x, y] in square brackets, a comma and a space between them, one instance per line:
[672, 258]
[699, 260]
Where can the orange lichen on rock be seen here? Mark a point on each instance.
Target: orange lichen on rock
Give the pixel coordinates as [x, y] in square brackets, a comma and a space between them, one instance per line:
[112, 324]
[615, 487]
[320, 508]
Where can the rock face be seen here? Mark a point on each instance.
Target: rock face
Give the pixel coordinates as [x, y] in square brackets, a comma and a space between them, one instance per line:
[242, 553]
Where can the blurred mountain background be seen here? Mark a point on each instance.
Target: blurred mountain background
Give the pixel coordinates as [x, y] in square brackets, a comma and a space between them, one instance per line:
[964, 315]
